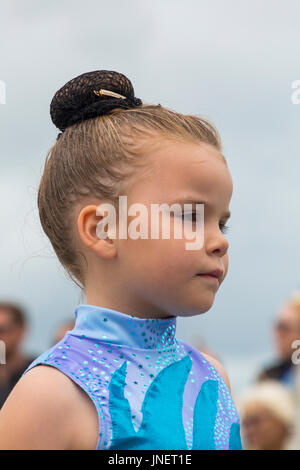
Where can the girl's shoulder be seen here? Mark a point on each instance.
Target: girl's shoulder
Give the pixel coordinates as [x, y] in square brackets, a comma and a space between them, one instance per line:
[208, 359]
[220, 368]
[43, 411]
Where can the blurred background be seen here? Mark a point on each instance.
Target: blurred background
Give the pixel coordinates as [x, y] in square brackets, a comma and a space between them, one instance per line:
[232, 62]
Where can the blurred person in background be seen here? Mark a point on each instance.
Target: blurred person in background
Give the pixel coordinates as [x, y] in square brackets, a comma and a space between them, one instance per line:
[294, 443]
[62, 330]
[13, 327]
[286, 331]
[267, 415]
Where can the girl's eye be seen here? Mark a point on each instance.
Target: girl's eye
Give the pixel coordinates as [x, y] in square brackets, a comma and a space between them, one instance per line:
[224, 228]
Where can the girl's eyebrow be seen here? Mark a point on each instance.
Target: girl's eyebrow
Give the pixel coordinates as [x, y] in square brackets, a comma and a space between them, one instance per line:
[189, 200]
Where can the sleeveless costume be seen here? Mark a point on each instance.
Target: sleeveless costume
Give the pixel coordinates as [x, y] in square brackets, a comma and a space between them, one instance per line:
[151, 390]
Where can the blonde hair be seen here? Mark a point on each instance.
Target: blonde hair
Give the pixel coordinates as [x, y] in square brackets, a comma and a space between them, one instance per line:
[94, 158]
[274, 397]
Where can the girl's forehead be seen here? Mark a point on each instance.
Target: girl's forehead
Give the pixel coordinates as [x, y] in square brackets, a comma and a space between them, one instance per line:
[183, 173]
[184, 158]
[180, 166]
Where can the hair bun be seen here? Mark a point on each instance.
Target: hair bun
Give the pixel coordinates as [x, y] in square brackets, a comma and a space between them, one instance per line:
[81, 98]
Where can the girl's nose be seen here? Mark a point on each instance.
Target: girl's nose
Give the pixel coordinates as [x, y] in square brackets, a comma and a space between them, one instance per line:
[216, 242]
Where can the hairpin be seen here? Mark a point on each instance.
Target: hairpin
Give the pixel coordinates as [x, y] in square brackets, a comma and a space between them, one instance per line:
[109, 93]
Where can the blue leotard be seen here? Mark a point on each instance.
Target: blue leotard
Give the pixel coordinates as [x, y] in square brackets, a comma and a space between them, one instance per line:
[151, 390]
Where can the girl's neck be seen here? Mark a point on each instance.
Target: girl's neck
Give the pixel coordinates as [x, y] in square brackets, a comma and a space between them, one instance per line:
[139, 310]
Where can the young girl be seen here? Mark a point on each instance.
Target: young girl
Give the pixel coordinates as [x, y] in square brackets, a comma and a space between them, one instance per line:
[121, 379]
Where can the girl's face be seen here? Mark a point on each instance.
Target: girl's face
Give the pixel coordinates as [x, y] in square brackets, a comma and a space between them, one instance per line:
[160, 276]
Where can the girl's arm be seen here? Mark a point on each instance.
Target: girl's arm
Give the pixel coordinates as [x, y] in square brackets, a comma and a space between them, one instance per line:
[47, 410]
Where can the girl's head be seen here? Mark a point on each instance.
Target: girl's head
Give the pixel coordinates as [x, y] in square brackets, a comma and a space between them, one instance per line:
[116, 145]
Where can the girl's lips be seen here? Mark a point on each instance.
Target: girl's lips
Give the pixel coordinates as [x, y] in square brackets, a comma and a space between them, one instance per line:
[209, 277]
[217, 273]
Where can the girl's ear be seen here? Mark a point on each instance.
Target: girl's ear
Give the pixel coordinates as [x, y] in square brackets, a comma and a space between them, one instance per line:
[91, 227]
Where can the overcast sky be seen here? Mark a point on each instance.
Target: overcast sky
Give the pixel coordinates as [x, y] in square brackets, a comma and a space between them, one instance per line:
[232, 62]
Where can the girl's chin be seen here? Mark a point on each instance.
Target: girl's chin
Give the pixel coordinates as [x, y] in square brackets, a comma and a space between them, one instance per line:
[196, 309]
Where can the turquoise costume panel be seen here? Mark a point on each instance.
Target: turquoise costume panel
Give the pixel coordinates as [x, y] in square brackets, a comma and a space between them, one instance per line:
[151, 390]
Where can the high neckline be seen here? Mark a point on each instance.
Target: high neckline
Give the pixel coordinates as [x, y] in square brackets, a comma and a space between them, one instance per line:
[111, 326]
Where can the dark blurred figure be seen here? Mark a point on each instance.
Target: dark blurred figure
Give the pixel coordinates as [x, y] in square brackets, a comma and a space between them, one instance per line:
[286, 331]
[13, 326]
[62, 330]
[267, 416]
